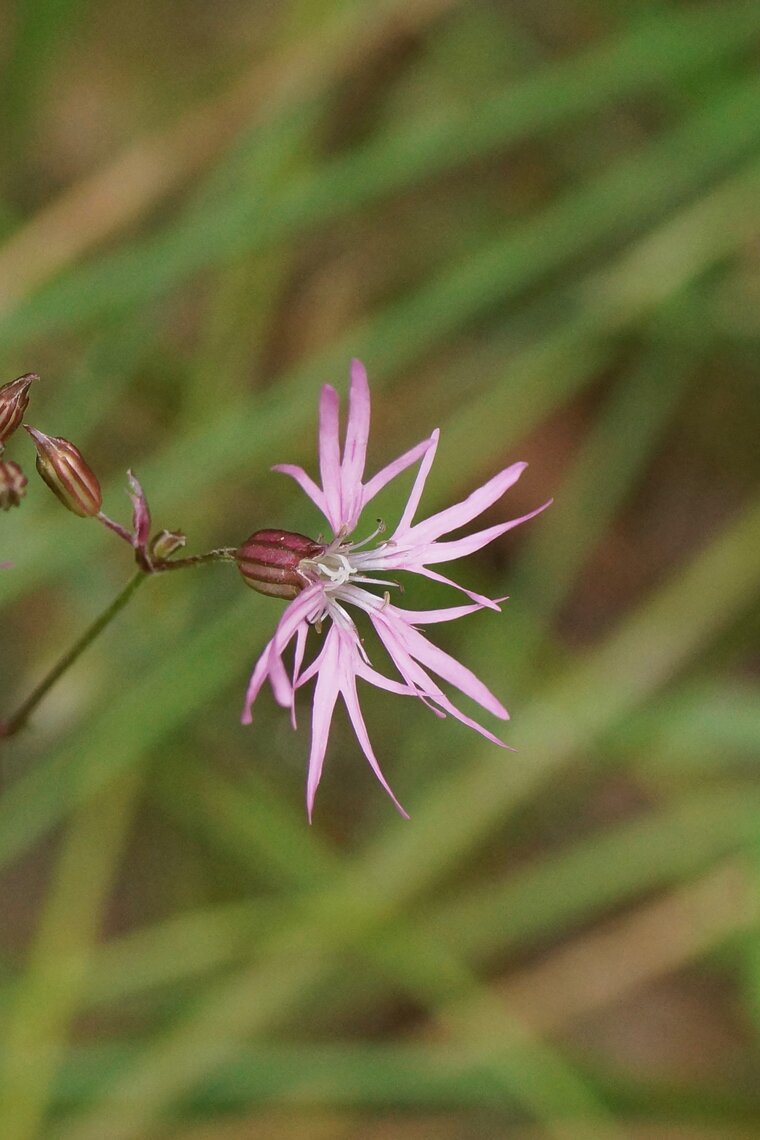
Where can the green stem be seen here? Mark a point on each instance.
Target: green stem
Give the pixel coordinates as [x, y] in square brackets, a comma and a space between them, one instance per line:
[223, 554]
[23, 712]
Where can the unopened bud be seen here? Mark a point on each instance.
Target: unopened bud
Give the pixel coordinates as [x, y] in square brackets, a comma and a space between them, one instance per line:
[66, 473]
[166, 543]
[269, 561]
[140, 513]
[14, 398]
[12, 484]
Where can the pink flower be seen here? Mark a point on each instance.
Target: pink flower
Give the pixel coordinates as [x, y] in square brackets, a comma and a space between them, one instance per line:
[327, 580]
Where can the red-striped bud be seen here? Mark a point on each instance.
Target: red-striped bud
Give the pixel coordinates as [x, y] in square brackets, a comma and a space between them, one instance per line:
[66, 473]
[12, 484]
[14, 398]
[269, 561]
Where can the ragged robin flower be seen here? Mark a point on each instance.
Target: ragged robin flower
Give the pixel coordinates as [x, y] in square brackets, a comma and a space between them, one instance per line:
[326, 580]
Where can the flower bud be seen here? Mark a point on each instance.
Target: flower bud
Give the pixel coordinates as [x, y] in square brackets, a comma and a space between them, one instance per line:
[14, 398]
[269, 561]
[66, 473]
[12, 484]
[141, 521]
[166, 543]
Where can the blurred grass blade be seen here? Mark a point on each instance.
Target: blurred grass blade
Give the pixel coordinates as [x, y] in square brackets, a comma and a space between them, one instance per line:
[129, 187]
[47, 996]
[238, 225]
[628, 430]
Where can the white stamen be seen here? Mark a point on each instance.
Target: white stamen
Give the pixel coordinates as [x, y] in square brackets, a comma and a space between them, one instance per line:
[337, 566]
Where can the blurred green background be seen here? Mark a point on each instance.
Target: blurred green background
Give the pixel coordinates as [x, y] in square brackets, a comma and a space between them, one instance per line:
[539, 225]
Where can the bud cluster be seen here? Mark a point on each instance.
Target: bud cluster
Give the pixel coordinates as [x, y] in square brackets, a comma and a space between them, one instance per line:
[71, 479]
[270, 561]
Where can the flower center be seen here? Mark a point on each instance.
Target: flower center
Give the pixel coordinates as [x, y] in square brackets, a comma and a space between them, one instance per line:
[333, 567]
[341, 562]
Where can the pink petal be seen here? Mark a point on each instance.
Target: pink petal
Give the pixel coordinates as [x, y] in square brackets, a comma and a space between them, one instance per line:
[434, 576]
[337, 667]
[446, 666]
[371, 602]
[435, 552]
[355, 450]
[380, 681]
[461, 513]
[367, 673]
[258, 677]
[329, 455]
[292, 622]
[325, 696]
[302, 634]
[312, 669]
[391, 470]
[348, 661]
[419, 485]
[436, 659]
[305, 482]
[415, 675]
[297, 612]
[430, 617]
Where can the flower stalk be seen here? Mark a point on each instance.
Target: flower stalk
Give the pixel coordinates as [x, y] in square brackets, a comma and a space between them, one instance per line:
[221, 554]
[19, 718]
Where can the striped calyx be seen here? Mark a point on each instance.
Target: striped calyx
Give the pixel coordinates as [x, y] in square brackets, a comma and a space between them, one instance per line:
[14, 398]
[12, 484]
[66, 473]
[269, 561]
